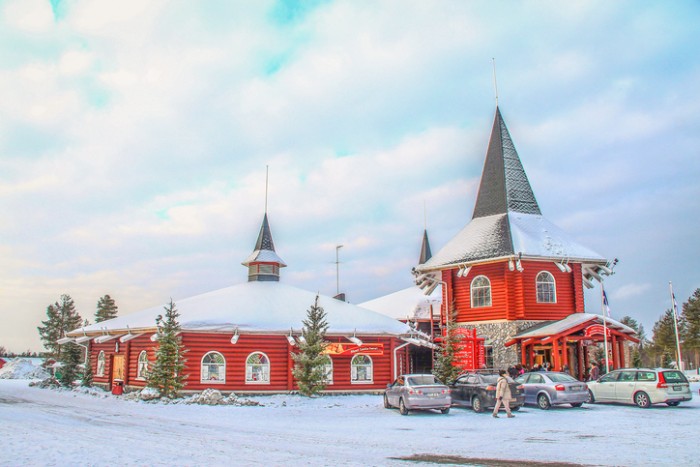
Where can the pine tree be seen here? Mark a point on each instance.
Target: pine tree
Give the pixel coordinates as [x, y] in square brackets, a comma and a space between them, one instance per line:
[638, 350]
[62, 318]
[167, 373]
[445, 368]
[691, 321]
[664, 337]
[309, 362]
[70, 359]
[106, 309]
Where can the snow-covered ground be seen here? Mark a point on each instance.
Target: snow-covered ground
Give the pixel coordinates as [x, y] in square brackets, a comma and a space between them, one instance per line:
[50, 427]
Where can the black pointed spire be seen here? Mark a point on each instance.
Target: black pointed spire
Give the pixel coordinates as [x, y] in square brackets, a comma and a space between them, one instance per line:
[264, 264]
[425, 253]
[504, 185]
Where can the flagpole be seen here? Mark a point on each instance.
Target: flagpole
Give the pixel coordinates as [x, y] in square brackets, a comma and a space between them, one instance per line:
[674, 306]
[605, 327]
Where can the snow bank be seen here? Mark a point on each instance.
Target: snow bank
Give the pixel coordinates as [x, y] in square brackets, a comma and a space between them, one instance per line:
[21, 368]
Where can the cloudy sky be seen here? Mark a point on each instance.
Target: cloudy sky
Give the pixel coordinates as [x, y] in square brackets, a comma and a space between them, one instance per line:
[134, 138]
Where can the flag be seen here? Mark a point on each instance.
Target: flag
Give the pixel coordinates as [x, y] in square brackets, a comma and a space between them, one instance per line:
[605, 303]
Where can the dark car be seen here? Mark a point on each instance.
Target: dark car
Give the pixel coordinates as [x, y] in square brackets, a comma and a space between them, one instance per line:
[478, 391]
[548, 388]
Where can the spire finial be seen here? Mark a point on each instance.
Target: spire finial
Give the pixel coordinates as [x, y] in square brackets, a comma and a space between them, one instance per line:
[495, 83]
[267, 171]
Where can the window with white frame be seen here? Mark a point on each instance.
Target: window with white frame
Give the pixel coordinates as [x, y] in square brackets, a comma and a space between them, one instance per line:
[142, 365]
[481, 292]
[327, 369]
[361, 369]
[101, 363]
[213, 368]
[546, 288]
[257, 369]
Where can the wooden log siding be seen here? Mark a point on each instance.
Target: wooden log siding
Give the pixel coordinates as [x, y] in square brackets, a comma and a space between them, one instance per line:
[514, 294]
[276, 347]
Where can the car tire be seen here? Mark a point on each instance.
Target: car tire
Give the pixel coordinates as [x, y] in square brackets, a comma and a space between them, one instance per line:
[516, 408]
[477, 405]
[543, 402]
[576, 404]
[445, 411]
[673, 404]
[402, 407]
[386, 402]
[642, 400]
[591, 397]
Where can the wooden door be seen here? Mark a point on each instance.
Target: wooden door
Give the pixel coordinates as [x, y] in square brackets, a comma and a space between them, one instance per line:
[118, 367]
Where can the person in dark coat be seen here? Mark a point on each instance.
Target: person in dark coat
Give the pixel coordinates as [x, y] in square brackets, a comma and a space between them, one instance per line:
[503, 395]
[594, 372]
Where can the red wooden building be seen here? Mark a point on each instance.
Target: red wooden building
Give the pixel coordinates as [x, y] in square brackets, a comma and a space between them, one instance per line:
[510, 272]
[240, 338]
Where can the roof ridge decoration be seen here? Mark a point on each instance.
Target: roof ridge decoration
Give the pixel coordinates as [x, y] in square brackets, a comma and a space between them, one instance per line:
[504, 185]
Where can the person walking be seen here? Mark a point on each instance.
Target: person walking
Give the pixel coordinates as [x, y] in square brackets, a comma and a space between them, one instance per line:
[503, 395]
[594, 372]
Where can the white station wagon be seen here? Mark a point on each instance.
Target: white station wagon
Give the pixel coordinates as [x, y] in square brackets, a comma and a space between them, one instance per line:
[641, 386]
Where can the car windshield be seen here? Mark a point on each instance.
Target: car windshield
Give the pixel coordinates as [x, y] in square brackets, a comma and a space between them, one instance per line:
[562, 378]
[490, 379]
[674, 377]
[421, 380]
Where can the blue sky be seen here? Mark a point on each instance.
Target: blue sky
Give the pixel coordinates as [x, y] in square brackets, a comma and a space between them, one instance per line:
[134, 138]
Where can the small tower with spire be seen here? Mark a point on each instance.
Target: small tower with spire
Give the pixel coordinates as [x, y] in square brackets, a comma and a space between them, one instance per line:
[263, 263]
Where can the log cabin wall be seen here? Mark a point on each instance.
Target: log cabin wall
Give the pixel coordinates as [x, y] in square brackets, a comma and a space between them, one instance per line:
[514, 293]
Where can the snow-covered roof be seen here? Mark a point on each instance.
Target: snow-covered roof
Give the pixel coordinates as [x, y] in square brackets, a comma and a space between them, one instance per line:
[256, 307]
[507, 220]
[573, 320]
[409, 303]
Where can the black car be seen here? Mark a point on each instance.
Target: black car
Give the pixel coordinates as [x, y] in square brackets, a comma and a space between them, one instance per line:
[478, 391]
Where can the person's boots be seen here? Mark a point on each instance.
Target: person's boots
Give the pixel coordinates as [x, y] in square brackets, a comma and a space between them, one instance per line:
[510, 415]
[494, 415]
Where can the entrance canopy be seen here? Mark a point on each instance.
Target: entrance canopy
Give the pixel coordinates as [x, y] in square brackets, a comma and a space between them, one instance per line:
[577, 326]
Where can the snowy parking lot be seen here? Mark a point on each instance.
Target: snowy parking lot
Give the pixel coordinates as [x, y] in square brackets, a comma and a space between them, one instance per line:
[50, 427]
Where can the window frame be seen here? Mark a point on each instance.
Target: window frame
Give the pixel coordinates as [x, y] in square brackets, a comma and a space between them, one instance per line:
[328, 371]
[355, 367]
[250, 367]
[221, 368]
[101, 364]
[140, 374]
[480, 295]
[543, 294]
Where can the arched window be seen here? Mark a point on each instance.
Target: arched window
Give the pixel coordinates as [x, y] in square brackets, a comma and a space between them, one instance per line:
[546, 288]
[142, 366]
[361, 369]
[213, 368]
[101, 363]
[257, 369]
[481, 292]
[328, 370]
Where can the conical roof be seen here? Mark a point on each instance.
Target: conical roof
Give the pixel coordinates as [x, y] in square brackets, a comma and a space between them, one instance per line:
[264, 248]
[507, 220]
[425, 253]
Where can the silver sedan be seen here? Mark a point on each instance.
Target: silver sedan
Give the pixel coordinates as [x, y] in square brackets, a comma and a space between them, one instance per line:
[548, 388]
[417, 392]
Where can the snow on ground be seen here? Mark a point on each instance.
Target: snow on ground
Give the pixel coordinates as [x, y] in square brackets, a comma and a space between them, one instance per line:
[54, 427]
[22, 368]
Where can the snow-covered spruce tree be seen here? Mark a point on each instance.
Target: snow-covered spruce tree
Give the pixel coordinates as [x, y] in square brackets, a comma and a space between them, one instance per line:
[166, 375]
[61, 318]
[445, 368]
[309, 361]
[71, 355]
[106, 309]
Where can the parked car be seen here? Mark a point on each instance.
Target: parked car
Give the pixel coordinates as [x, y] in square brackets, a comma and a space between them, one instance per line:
[548, 388]
[417, 392]
[643, 387]
[478, 391]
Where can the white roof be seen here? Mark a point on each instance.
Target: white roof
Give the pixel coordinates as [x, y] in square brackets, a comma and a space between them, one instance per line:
[256, 307]
[571, 321]
[407, 303]
[530, 234]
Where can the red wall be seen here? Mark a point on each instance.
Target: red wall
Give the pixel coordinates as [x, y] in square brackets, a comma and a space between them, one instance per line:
[276, 347]
[514, 294]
